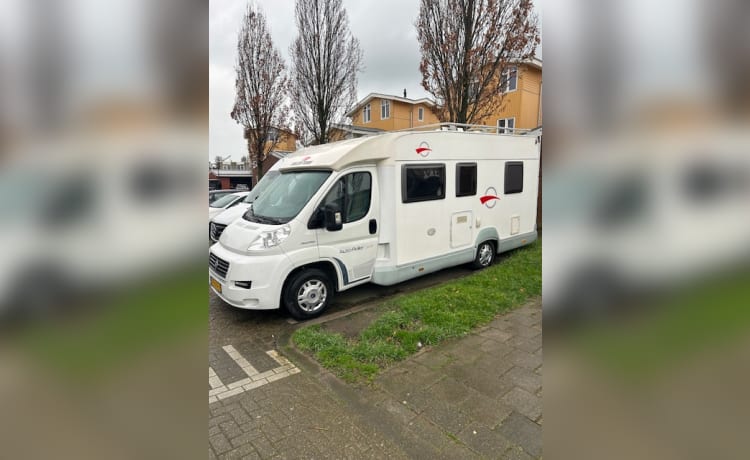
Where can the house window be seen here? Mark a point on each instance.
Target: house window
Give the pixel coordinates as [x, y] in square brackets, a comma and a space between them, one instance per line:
[506, 125]
[366, 114]
[385, 109]
[273, 134]
[510, 79]
[420, 114]
[422, 182]
[466, 179]
[513, 177]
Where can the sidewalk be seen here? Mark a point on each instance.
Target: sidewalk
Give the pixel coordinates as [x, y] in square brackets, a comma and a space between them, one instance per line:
[477, 397]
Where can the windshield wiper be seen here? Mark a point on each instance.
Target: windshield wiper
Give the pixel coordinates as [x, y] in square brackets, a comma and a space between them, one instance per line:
[262, 219]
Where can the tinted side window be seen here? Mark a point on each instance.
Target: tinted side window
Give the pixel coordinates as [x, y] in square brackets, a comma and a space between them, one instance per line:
[513, 177]
[352, 195]
[422, 182]
[466, 179]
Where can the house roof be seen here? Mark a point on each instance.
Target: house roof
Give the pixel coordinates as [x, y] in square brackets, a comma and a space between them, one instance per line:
[357, 129]
[533, 62]
[405, 100]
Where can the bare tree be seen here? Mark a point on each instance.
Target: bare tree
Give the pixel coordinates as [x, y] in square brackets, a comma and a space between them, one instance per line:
[325, 60]
[466, 45]
[218, 161]
[261, 88]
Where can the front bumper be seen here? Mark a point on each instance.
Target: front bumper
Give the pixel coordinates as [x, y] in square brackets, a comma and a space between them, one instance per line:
[266, 273]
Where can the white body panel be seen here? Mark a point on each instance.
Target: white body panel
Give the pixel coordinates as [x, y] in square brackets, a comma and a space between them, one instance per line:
[394, 240]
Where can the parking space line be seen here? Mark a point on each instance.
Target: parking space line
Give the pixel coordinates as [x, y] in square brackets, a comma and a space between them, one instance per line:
[254, 379]
[242, 362]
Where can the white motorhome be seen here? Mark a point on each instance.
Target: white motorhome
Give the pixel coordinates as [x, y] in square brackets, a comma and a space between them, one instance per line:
[381, 209]
[218, 223]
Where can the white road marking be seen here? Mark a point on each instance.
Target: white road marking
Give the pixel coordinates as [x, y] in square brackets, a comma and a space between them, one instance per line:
[254, 379]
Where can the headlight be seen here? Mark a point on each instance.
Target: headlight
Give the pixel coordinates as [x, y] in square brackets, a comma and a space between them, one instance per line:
[270, 239]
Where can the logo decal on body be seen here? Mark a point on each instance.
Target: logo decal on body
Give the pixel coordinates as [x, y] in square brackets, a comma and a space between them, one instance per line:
[304, 161]
[424, 149]
[489, 198]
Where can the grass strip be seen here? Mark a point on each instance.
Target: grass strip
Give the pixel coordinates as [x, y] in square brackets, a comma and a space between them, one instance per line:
[427, 317]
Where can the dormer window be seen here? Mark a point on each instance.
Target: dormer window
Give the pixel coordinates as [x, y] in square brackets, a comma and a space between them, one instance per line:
[510, 79]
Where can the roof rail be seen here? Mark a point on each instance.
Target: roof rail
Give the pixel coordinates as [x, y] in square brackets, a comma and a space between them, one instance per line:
[465, 127]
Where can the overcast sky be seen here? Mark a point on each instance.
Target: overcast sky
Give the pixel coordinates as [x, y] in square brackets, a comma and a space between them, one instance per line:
[385, 29]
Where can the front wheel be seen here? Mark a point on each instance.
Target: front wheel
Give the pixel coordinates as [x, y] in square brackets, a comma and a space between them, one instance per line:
[308, 293]
[485, 255]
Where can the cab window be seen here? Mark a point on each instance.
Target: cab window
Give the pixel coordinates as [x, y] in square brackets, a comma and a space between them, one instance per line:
[352, 194]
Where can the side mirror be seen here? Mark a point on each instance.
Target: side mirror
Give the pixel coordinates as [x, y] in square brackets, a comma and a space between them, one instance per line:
[332, 217]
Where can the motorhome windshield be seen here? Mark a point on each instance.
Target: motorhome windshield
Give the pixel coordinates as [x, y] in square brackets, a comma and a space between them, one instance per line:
[285, 196]
[265, 181]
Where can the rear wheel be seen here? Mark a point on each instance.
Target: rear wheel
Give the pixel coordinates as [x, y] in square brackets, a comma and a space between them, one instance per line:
[308, 293]
[485, 255]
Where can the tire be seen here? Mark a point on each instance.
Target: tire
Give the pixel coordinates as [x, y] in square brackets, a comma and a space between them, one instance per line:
[485, 255]
[308, 293]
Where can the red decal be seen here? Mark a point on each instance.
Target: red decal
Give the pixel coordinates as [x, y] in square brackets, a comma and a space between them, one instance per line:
[423, 149]
[487, 198]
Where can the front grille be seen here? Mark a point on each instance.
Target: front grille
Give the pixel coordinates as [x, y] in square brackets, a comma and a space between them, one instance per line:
[215, 230]
[220, 266]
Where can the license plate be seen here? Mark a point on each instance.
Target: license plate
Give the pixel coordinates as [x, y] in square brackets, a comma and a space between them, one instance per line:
[216, 285]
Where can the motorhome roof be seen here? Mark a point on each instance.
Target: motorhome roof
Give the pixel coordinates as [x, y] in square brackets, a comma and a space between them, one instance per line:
[372, 149]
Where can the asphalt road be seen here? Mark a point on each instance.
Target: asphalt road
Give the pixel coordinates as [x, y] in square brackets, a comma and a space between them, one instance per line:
[229, 325]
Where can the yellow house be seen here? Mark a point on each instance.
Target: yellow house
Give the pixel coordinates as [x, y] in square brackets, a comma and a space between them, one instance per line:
[287, 143]
[521, 105]
[390, 113]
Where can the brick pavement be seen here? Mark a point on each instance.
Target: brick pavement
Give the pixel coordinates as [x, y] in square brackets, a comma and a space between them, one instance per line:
[476, 397]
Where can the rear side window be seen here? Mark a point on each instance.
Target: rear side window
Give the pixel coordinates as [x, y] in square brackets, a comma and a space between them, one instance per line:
[466, 179]
[513, 177]
[424, 182]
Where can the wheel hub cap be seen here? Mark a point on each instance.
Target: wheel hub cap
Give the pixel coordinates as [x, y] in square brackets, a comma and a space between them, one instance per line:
[312, 295]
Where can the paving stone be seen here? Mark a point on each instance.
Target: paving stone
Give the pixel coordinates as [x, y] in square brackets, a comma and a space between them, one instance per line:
[238, 453]
[398, 410]
[487, 411]
[446, 416]
[521, 431]
[530, 345]
[483, 440]
[219, 443]
[524, 378]
[524, 402]
[449, 390]
[484, 380]
[496, 334]
[516, 453]
[525, 359]
[230, 429]
[434, 359]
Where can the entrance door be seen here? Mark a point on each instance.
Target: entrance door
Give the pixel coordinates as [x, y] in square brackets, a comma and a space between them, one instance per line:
[354, 247]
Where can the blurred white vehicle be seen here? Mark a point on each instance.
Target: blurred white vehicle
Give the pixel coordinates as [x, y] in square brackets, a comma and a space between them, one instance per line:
[214, 195]
[644, 214]
[95, 218]
[217, 225]
[225, 202]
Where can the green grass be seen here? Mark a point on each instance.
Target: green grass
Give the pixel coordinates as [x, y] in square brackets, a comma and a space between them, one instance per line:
[428, 317]
[670, 331]
[97, 342]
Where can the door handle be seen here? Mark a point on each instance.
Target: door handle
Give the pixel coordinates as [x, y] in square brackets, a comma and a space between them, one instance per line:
[373, 226]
